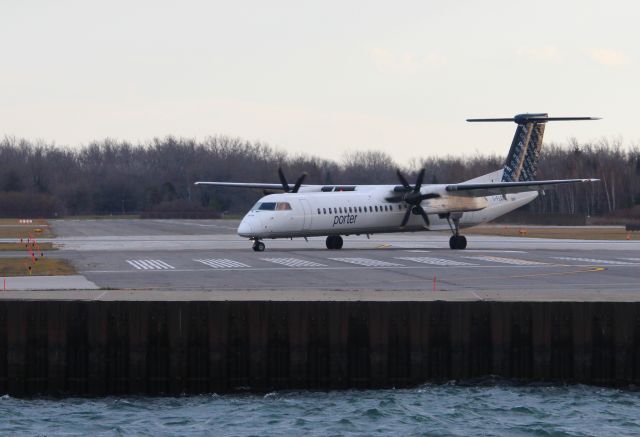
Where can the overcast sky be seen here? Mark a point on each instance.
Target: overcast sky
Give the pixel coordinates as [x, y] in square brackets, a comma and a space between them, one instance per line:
[320, 77]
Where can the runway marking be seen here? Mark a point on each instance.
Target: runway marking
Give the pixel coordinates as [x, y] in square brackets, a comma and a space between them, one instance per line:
[588, 270]
[418, 251]
[632, 259]
[501, 260]
[366, 262]
[495, 251]
[434, 261]
[294, 262]
[150, 264]
[221, 263]
[593, 261]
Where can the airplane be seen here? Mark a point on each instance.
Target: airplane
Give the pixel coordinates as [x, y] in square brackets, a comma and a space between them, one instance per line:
[334, 210]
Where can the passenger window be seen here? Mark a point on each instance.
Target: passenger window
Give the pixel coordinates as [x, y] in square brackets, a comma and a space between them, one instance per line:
[350, 209]
[340, 209]
[324, 210]
[330, 211]
[318, 211]
[359, 209]
[376, 207]
[370, 208]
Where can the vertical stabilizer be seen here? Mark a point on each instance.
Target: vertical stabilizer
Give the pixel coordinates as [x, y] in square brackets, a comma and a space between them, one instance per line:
[522, 161]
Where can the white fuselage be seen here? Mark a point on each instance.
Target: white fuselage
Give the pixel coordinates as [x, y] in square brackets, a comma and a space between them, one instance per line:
[365, 210]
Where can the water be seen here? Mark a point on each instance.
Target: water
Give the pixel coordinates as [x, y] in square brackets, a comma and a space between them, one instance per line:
[498, 409]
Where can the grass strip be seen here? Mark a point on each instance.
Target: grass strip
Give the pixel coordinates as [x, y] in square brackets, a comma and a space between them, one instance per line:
[10, 267]
[24, 246]
[571, 233]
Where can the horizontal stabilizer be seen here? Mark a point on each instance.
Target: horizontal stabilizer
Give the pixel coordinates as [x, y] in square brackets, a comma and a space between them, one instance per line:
[526, 118]
[501, 188]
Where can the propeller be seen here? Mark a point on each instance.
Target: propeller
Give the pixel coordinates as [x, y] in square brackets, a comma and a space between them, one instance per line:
[412, 196]
[285, 185]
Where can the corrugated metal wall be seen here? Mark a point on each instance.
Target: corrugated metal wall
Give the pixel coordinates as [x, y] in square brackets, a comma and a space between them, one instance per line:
[105, 348]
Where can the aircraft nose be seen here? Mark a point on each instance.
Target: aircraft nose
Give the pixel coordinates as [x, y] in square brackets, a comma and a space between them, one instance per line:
[246, 228]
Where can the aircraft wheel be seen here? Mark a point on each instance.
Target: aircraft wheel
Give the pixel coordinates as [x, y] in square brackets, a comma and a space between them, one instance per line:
[452, 242]
[330, 242]
[458, 242]
[462, 242]
[334, 242]
[259, 246]
[339, 242]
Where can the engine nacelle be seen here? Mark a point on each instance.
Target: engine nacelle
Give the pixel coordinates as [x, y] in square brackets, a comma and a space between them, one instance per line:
[443, 205]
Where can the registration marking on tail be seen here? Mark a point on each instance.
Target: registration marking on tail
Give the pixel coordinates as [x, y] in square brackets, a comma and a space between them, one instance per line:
[501, 260]
[434, 261]
[149, 264]
[293, 262]
[221, 263]
[366, 262]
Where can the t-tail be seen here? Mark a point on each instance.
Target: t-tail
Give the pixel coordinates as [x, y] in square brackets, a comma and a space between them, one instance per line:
[522, 161]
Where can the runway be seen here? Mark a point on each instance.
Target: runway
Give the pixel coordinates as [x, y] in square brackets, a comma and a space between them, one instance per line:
[206, 255]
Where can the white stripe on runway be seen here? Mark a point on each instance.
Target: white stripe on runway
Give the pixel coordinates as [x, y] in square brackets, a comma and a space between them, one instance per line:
[221, 263]
[501, 260]
[434, 261]
[366, 262]
[293, 262]
[149, 264]
[632, 259]
[593, 260]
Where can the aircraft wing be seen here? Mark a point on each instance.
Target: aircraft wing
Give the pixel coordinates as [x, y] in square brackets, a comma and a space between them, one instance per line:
[244, 185]
[501, 188]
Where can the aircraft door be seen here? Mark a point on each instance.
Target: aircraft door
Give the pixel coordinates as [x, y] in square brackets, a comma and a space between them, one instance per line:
[307, 214]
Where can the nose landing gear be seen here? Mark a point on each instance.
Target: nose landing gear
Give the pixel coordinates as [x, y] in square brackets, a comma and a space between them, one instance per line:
[258, 246]
[457, 241]
[334, 242]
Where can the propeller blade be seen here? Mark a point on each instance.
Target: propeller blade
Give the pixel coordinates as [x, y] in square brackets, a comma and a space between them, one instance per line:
[429, 196]
[419, 181]
[423, 214]
[405, 219]
[283, 180]
[296, 187]
[403, 180]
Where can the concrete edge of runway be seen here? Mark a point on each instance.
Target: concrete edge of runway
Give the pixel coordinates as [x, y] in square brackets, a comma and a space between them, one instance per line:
[320, 295]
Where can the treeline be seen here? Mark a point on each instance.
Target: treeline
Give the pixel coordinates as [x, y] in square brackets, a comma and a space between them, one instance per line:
[111, 177]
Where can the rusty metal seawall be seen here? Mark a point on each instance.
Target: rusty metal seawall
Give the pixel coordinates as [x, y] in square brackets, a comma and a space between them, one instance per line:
[86, 348]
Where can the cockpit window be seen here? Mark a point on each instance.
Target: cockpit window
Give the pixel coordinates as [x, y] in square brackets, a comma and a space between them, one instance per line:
[273, 206]
[267, 206]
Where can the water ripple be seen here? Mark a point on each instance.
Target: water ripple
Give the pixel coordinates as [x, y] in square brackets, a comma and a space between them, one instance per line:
[501, 409]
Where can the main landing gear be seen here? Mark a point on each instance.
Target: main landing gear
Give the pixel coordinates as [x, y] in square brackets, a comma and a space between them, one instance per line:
[334, 242]
[457, 241]
[258, 246]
